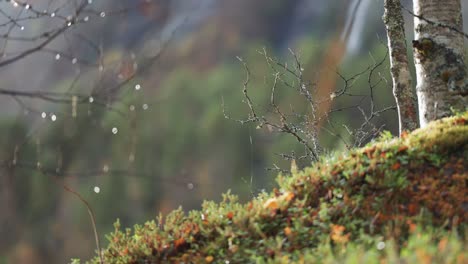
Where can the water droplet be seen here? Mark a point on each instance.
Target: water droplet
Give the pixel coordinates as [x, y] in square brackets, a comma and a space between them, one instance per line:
[102, 14]
[132, 108]
[190, 186]
[53, 118]
[105, 169]
[381, 245]
[57, 57]
[90, 1]
[137, 87]
[43, 115]
[69, 24]
[114, 130]
[22, 28]
[97, 189]
[86, 19]
[15, 4]
[74, 60]
[27, 6]
[52, 14]
[145, 106]
[91, 99]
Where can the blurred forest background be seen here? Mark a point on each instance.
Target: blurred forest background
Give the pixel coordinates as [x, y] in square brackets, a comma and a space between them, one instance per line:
[151, 134]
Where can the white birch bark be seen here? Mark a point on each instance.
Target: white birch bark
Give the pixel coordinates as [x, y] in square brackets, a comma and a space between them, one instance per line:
[442, 81]
[402, 81]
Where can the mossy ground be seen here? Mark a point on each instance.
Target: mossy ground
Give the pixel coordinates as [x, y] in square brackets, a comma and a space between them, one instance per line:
[397, 199]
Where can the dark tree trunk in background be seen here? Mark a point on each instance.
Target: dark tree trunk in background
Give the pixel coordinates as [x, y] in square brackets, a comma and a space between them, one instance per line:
[400, 69]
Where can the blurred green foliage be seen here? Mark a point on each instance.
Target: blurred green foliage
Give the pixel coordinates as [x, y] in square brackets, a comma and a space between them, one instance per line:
[172, 146]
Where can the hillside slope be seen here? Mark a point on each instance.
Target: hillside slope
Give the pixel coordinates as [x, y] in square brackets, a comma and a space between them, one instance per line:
[409, 194]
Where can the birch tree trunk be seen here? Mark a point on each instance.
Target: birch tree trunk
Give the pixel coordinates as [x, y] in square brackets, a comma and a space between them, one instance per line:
[439, 58]
[400, 69]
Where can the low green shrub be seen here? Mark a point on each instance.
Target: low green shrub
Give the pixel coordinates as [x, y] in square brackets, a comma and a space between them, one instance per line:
[395, 200]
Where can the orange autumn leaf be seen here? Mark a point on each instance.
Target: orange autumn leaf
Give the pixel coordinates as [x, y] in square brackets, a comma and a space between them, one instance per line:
[230, 215]
[271, 204]
[287, 231]
[179, 242]
[411, 226]
[209, 259]
[442, 244]
[288, 196]
[187, 230]
[404, 134]
[402, 148]
[460, 121]
[396, 166]
[337, 234]
[274, 203]
[369, 152]
[337, 228]
[250, 206]
[124, 252]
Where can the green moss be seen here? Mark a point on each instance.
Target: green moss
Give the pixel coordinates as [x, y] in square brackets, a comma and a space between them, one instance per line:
[338, 210]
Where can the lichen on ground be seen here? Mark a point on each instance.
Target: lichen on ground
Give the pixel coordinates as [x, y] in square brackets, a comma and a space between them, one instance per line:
[397, 199]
